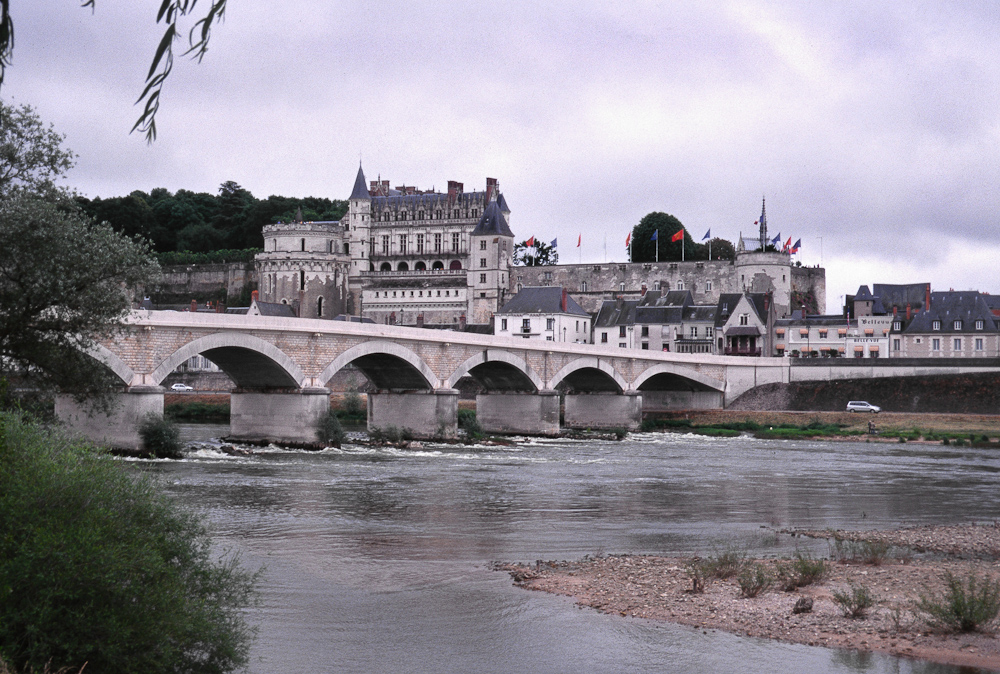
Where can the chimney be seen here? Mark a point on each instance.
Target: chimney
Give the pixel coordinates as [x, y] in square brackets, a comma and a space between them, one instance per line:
[619, 302]
[461, 323]
[420, 320]
[927, 298]
[564, 304]
[491, 189]
[642, 290]
[907, 311]
[255, 296]
[895, 310]
[194, 305]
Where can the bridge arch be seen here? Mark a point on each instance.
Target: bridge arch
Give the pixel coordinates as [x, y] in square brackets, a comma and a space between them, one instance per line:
[387, 365]
[589, 374]
[249, 361]
[497, 369]
[699, 381]
[114, 362]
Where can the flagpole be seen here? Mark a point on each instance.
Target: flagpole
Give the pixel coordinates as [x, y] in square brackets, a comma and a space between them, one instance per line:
[657, 245]
[682, 244]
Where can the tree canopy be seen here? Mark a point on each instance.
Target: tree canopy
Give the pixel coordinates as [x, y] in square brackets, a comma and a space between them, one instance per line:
[536, 255]
[644, 247]
[65, 282]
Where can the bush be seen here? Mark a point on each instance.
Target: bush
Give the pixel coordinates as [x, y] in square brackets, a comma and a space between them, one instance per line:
[803, 571]
[754, 579]
[330, 432]
[197, 412]
[98, 567]
[726, 564]
[352, 404]
[699, 571]
[160, 437]
[962, 608]
[855, 603]
[873, 553]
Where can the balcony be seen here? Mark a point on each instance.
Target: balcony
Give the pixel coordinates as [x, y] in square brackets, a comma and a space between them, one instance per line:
[746, 351]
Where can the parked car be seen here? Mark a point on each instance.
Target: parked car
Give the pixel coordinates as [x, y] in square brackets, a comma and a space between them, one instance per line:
[862, 406]
[181, 387]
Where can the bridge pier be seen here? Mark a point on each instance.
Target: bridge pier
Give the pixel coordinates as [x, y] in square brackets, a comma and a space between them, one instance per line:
[604, 410]
[662, 401]
[118, 427]
[528, 413]
[426, 414]
[286, 417]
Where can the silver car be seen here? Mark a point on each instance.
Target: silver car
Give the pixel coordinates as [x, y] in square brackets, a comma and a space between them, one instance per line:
[181, 387]
[862, 406]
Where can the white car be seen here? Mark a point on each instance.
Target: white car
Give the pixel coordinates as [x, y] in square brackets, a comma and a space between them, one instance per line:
[181, 387]
[862, 406]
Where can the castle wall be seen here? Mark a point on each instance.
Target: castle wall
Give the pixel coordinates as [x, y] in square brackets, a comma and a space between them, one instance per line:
[591, 284]
[183, 283]
[810, 282]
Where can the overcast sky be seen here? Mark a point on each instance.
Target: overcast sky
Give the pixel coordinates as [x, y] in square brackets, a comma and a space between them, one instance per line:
[872, 128]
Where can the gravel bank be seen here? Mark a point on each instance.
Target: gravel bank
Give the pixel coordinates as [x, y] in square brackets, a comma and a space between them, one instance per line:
[659, 588]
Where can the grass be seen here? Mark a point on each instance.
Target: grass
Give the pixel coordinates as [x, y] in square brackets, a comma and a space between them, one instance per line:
[856, 602]
[962, 607]
[873, 553]
[802, 571]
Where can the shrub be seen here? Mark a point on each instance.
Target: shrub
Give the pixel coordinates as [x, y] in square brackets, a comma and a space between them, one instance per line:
[855, 603]
[160, 437]
[754, 579]
[329, 431]
[97, 566]
[873, 553]
[352, 404]
[699, 571]
[197, 411]
[945, 442]
[962, 608]
[804, 570]
[726, 564]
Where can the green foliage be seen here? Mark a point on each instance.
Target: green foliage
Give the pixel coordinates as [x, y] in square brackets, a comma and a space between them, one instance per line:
[468, 423]
[330, 431]
[31, 155]
[873, 553]
[856, 602]
[97, 566]
[211, 257]
[962, 608]
[64, 285]
[644, 248]
[754, 579]
[354, 407]
[802, 571]
[727, 563]
[536, 256]
[390, 434]
[160, 437]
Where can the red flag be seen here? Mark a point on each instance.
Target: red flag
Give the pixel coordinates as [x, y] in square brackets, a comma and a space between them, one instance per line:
[530, 242]
[678, 236]
[579, 238]
[788, 244]
[628, 240]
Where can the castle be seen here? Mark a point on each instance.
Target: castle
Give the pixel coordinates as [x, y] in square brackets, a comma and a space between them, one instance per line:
[411, 257]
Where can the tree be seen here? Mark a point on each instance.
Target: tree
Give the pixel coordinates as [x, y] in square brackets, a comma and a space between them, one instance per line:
[644, 247]
[170, 14]
[31, 154]
[99, 567]
[722, 249]
[537, 255]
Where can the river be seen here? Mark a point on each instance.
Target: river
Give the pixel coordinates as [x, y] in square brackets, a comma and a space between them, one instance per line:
[378, 560]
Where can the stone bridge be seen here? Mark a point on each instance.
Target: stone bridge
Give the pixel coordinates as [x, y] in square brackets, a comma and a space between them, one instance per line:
[281, 367]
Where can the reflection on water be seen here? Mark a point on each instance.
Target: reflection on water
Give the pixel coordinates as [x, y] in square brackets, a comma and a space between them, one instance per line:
[377, 558]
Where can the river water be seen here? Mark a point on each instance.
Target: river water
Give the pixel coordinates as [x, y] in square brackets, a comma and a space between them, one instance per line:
[377, 560]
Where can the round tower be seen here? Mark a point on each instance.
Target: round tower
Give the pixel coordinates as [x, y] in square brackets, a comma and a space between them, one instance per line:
[761, 272]
[357, 226]
[490, 260]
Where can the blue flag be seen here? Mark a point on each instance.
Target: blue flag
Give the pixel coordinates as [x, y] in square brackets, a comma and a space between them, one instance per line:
[553, 244]
[776, 240]
[708, 234]
[655, 232]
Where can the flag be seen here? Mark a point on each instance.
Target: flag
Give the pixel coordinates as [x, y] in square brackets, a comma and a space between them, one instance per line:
[530, 242]
[708, 235]
[579, 239]
[776, 240]
[628, 240]
[656, 233]
[798, 244]
[788, 244]
[553, 244]
[678, 236]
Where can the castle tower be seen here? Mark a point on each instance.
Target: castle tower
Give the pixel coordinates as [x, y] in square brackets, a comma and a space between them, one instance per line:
[358, 226]
[490, 260]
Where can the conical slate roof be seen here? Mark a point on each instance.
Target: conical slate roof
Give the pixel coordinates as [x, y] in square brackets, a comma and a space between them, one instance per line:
[360, 190]
[492, 222]
[502, 203]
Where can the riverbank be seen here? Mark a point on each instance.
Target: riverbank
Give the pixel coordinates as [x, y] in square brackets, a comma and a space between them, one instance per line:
[659, 588]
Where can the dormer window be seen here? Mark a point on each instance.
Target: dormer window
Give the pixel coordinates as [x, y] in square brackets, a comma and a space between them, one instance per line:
[957, 325]
[935, 325]
[897, 326]
[744, 319]
[979, 324]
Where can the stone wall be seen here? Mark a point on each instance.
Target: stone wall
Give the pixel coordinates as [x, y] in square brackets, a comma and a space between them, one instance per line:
[203, 282]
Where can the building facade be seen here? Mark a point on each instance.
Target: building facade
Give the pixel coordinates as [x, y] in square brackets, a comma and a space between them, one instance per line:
[548, 314]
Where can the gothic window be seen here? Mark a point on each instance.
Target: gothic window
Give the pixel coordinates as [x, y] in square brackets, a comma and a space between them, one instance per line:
[475, 212]
[319, 307]
[437, 243]
[420, 215]
[456, 214]
[437, 214]
[385, 244]
[402, 244]
[454, 243]
[420, 244]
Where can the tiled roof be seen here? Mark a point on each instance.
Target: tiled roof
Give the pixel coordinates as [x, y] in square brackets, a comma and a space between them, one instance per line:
[492, 222]
[542, 300]
[948, 307]
[360, 190]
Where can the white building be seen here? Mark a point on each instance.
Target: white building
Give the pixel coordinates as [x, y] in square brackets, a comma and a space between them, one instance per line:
[544, 313]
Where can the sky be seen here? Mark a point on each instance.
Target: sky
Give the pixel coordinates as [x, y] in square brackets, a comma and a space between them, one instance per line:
[872, 129]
